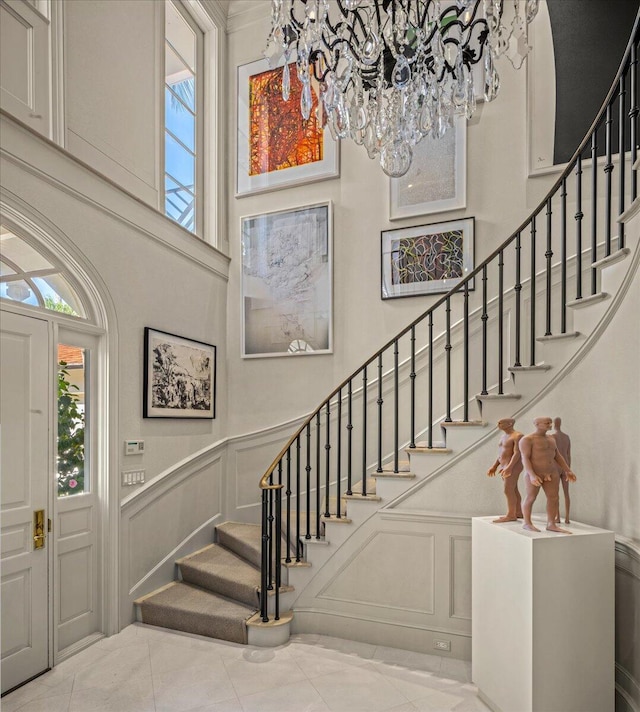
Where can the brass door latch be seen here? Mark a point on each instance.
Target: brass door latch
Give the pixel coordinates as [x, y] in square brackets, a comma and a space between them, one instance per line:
[39, 531]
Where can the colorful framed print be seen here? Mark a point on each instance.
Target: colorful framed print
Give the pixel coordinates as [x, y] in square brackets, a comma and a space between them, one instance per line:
[287, 282]
[179, 377]
[277, 148]
[427, 259]
[437, 179]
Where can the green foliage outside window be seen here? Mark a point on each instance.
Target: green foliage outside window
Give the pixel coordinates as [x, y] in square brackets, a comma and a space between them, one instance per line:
[71, 427]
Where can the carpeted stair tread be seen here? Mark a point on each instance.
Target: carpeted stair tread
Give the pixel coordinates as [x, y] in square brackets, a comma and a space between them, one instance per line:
[243, 539]
[221, 571]
[181, 606]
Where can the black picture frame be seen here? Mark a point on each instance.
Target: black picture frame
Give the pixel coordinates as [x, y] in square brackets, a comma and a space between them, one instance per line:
[179, 377]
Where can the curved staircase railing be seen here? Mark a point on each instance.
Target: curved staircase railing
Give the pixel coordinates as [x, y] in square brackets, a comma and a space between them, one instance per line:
[494, 312]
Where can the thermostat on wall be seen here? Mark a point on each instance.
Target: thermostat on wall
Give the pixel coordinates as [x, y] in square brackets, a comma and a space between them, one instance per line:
[133, 447]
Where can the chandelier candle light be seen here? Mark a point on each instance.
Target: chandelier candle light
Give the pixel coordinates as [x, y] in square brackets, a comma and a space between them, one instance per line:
[390, 72]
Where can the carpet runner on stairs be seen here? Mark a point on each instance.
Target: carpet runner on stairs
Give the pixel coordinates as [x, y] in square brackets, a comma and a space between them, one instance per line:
[219, 591]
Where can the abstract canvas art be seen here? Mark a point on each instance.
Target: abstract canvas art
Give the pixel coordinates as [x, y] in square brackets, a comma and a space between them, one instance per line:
[426, 259]
[286, 282]
[276, 146]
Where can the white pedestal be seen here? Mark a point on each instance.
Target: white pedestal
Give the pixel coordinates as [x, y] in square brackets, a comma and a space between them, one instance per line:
[543, 617]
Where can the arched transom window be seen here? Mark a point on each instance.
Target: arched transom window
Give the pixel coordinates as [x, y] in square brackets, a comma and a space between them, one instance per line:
[28, 277]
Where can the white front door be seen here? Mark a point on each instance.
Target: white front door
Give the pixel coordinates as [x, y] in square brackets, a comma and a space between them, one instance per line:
[24, 413]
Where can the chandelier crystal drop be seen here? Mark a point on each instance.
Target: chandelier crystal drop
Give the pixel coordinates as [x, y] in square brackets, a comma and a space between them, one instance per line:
[390, 72]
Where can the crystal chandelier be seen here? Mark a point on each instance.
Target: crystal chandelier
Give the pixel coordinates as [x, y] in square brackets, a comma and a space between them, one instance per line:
[389, 72]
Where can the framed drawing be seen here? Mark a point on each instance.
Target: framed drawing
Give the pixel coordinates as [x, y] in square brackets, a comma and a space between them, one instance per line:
[179, 377]
[437, 179]
[427, 259]
[287, 282]
[277, 148]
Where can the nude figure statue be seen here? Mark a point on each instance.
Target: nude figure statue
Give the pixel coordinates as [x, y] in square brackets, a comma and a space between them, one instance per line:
[509, 464]
[540, 458]
[563, 443]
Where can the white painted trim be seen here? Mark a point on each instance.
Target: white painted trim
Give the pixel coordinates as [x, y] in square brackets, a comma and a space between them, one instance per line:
[52, 164]
[425, 517]
[57, 90]
[159, 485]
[245, 14]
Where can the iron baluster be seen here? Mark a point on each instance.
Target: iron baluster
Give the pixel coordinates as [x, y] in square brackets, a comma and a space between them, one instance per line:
[563, 259]
[318, 487]
[412, 377]
[288, 517]
[270, 542]
[380, 402]
[396, 406]
[430, 386]
[532, 315]
[327, 462]
[500, 323]
[465, 415]
[548, 254]
[608, 169]
[621, 171]
[298, 491]
[308, 471]
[349, 438]
[633, 116]
[339, 448]
[484, 319]
[278, 558]
[518, 290]
[264, 571]
[364, 431]
[594, 209]
[579, 215]
[447, 349]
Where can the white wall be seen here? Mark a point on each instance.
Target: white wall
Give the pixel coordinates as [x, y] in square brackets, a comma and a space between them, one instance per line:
[268, 391]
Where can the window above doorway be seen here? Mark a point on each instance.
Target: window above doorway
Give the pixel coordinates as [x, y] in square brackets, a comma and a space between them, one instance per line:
[28, 277]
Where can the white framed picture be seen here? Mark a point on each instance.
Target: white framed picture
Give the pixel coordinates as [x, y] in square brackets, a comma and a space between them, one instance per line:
[277, 148]
[287, 276]
[437, 179]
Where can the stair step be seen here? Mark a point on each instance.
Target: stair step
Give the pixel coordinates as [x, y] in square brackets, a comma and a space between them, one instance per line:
[362, 497]
[270, 634]
[526, 369]
[338, 520]
[182, 606]
[463, 424]
[390, 474]
[559, 337]
[612, 258]
[587, 301]
[243, 539]
[498, 396]
[216, 568]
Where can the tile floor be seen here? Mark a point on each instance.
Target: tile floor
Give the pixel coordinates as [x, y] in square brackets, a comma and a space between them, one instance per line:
[147, 669]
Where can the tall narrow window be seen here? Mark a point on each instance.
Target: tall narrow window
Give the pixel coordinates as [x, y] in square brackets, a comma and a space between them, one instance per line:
[73, 420]
[182, 117]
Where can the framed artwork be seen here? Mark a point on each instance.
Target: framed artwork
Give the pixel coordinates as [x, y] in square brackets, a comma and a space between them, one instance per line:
[179, 377]
[541, 95]
[427, 259]
[437, 179]
[287, 282]
[277, 148]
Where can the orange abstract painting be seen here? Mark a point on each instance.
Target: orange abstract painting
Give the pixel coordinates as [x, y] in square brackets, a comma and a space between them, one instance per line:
[279, 137]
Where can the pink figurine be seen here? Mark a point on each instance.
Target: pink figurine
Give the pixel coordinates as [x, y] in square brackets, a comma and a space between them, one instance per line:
[540, 458]
[563, 443]
[509, 465]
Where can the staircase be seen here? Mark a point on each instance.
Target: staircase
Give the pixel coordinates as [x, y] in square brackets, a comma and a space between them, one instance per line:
[429, 399]
[218, 592]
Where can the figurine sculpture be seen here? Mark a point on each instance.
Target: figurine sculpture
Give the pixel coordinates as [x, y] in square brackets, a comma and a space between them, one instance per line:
[509, 464]
[563, 443]
[540, 460]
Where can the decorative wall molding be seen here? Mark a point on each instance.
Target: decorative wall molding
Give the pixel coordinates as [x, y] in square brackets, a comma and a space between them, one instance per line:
[627, 553]
[40, 157]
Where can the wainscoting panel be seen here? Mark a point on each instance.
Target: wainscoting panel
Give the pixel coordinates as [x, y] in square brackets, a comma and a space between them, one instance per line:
[627, 625]
[401, 580]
